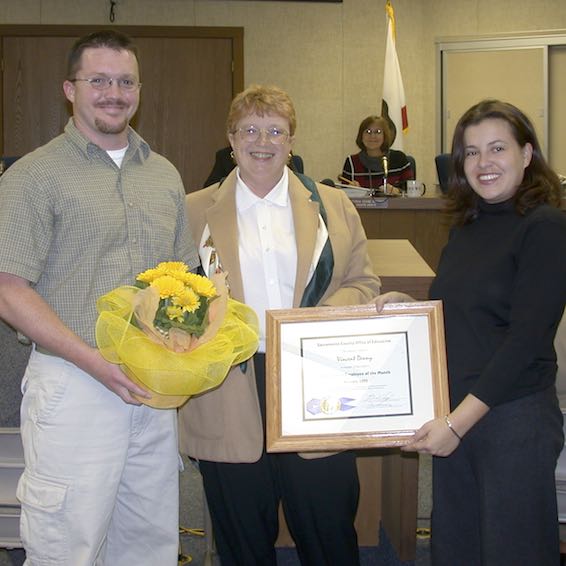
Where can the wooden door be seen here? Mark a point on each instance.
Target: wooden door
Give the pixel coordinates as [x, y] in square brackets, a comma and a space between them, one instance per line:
[189, 77]
[34, 108]
[185, 96]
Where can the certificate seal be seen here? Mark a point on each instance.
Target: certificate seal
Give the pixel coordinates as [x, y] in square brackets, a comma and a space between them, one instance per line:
[330, 405]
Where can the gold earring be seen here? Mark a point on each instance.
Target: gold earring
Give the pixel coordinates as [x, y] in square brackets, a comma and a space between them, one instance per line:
[232, 155]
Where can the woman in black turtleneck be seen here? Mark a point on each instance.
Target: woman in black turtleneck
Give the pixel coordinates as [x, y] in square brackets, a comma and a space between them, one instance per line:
[366, 168]
[502, 280]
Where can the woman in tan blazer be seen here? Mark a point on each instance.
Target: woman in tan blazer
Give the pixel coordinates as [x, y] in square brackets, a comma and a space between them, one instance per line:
[284, 242]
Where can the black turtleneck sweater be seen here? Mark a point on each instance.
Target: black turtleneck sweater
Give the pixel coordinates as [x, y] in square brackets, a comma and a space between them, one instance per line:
[502, 280]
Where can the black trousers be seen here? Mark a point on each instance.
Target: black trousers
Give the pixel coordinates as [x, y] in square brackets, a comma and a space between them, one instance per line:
[494, 498]
[319, 497]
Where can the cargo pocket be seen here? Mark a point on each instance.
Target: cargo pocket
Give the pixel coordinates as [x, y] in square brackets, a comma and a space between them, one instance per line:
[42, 524]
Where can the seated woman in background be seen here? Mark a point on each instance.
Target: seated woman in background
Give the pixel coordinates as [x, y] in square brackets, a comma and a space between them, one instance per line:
[366, 168]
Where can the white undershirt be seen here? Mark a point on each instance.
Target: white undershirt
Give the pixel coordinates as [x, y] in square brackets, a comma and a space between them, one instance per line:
[117, 155]
[267, 248]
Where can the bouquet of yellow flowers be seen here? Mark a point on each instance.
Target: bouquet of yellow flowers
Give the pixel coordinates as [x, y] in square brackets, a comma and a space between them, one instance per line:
[174, 332]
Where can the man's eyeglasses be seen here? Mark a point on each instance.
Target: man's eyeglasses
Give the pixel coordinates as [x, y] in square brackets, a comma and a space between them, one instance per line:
[375, 132]
[103, 83]
[251, 134]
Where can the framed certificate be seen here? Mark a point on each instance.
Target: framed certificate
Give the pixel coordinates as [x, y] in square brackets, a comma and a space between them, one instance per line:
[349, 377]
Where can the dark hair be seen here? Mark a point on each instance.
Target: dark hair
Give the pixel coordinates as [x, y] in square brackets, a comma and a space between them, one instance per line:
[540, 183]
[104, 38]
[383, 124]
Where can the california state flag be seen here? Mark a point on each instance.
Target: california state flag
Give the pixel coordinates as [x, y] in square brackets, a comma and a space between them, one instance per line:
[393, 103]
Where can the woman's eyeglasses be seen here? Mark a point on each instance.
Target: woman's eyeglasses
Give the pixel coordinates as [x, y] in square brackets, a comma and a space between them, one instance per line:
[251, 134]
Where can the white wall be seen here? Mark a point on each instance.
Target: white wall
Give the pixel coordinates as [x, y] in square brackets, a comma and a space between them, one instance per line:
[328, 56]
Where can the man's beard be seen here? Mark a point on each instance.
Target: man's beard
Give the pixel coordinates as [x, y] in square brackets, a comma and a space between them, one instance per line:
[107, 128]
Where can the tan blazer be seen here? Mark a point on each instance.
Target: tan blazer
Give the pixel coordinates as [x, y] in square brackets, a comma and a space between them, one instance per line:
[224, 425]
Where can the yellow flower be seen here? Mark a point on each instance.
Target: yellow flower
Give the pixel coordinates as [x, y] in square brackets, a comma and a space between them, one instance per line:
[171, 267]
[200, 285]
[188, 300]
[175, 269]
[175, 313]
[168, 286]
[149, 275]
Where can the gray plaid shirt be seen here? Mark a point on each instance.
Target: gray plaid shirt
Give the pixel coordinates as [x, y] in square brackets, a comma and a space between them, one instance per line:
[76, 226]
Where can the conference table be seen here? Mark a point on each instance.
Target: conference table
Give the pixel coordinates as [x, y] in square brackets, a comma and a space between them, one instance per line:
[420, 220]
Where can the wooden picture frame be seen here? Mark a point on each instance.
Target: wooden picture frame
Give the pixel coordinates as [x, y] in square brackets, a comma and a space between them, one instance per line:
[348, 377]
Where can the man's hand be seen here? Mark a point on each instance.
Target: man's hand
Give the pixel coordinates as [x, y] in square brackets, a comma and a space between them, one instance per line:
[24, 309]
[114, 379]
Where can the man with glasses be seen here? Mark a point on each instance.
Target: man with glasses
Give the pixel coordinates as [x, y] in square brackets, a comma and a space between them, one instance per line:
[79, 216]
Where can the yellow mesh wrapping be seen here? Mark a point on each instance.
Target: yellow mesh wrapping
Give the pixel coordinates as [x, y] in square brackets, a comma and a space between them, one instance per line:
[172, 377]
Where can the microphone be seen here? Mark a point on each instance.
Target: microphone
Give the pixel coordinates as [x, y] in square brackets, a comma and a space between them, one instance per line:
[385, 165]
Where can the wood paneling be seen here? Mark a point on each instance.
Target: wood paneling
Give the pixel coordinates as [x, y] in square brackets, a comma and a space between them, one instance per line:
[399, 490]
[426, 229]
[422, 221]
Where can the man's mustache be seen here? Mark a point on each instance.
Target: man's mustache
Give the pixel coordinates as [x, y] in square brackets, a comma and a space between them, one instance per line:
[112, 102]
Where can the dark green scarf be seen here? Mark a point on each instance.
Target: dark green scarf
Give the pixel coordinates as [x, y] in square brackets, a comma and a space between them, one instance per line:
[320, 280]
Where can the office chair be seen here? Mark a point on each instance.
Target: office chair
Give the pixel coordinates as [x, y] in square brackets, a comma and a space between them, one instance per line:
[6, 161]
[297, 164]
[413, 163]
[444, 170]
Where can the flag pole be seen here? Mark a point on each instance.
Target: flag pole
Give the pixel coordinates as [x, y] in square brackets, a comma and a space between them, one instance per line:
[393, 105]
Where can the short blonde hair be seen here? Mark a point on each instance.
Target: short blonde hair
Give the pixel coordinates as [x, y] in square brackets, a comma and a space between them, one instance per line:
[261, 100]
